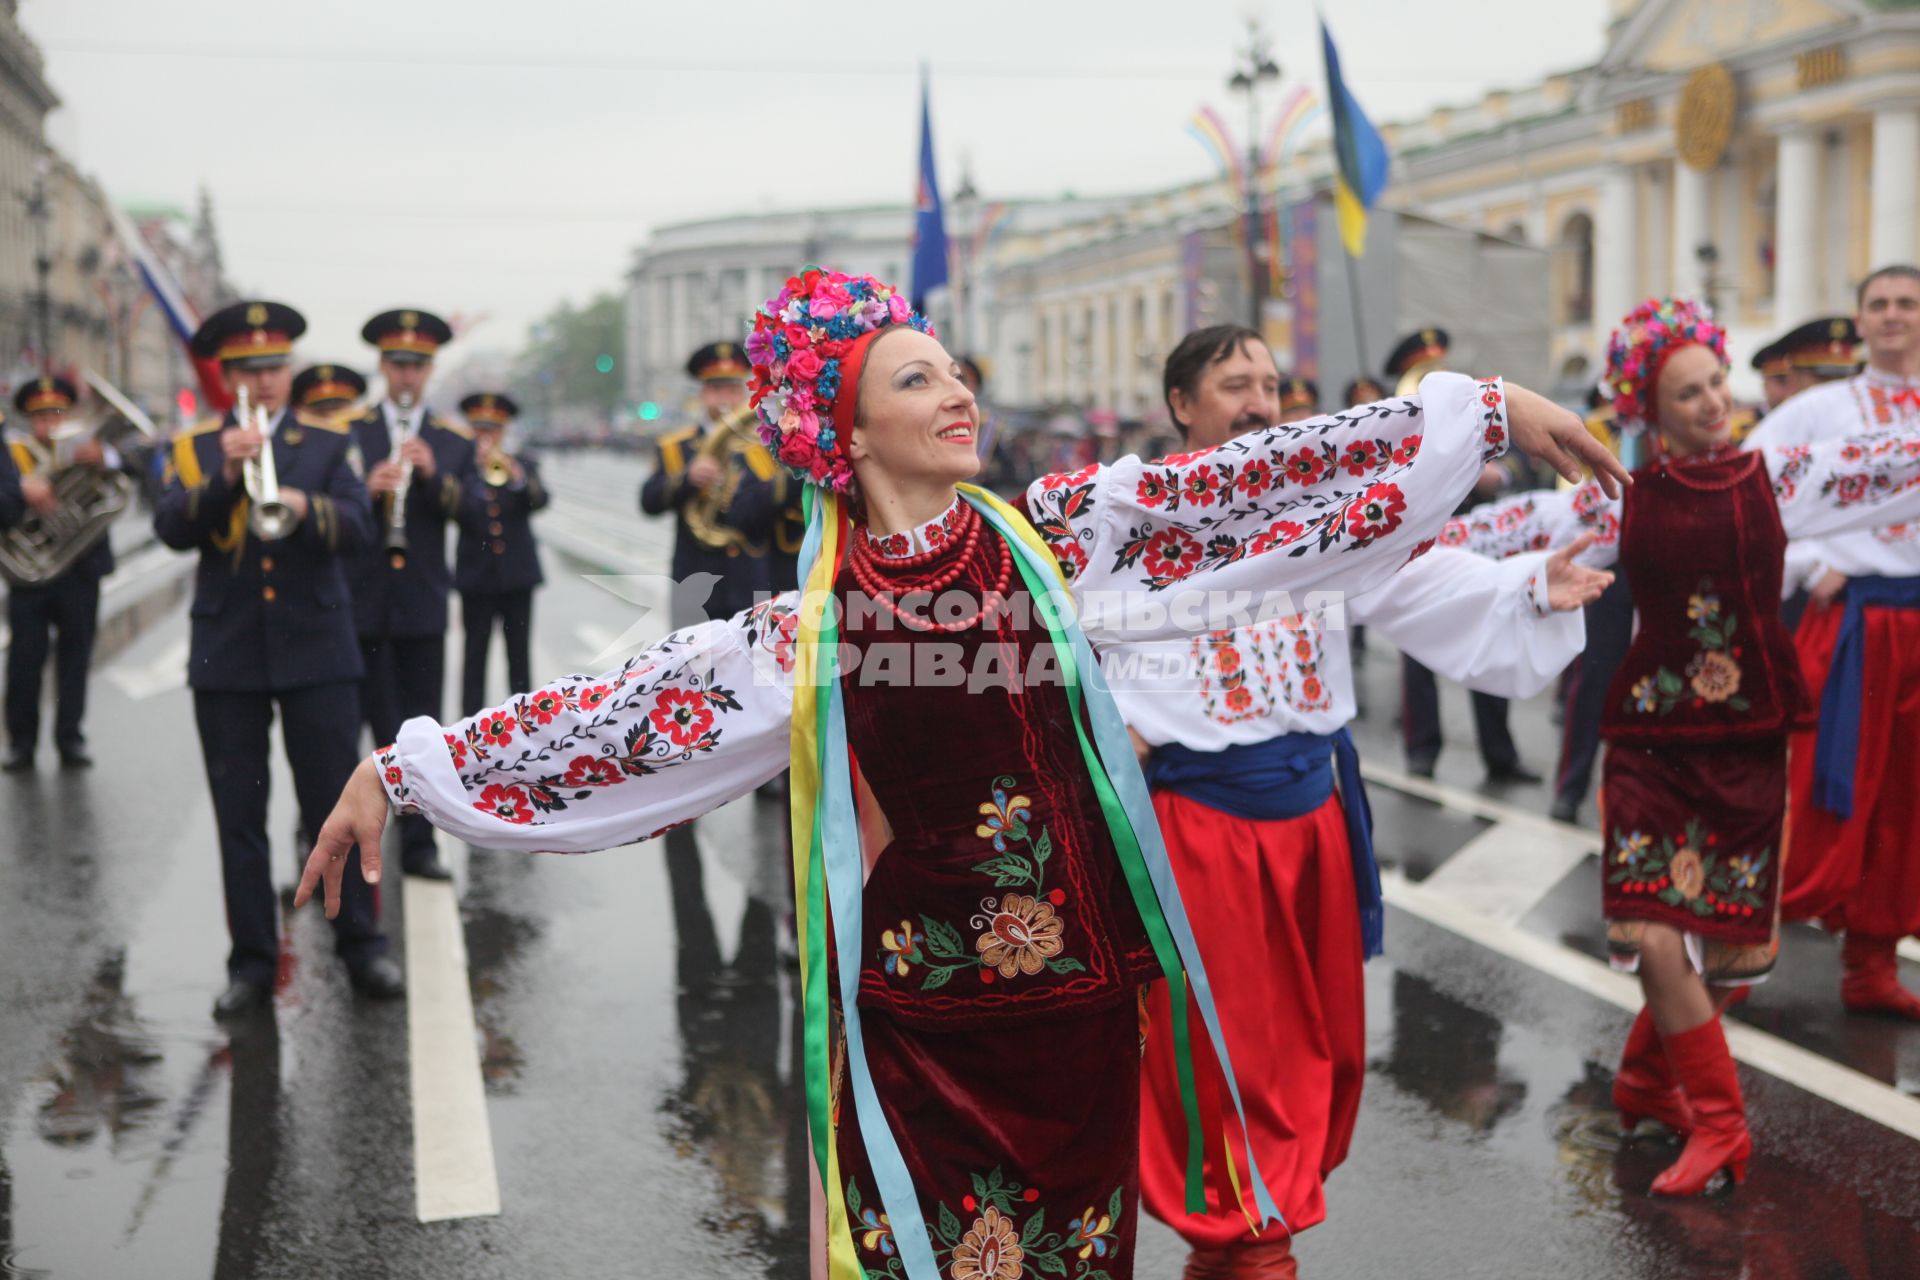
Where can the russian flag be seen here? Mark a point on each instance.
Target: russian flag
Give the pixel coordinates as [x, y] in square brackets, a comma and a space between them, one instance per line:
[172, 300]
[929, 228]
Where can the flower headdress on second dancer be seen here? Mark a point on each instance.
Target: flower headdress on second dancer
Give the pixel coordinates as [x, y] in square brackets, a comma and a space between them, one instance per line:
[808, 346]
[1643, 343]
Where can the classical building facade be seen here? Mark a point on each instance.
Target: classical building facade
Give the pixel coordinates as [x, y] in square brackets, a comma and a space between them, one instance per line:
[1761, 154]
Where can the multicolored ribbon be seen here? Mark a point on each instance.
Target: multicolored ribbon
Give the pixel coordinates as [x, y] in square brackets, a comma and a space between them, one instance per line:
[828, 875]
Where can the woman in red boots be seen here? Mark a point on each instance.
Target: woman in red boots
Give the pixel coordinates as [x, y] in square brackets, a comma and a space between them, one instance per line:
[1694, 787]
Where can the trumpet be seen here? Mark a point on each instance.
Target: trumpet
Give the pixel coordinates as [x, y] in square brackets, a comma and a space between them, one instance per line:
[268, 516]
[497, 470]
[397, 512]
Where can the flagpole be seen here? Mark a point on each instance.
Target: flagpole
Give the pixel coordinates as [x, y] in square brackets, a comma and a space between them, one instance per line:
[1353, 305]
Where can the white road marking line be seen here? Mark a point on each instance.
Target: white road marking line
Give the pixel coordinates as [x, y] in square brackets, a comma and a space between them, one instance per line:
[1507, 869]
[1822, 1077]
[453, 1170]
[163, 673]
[1558, 835]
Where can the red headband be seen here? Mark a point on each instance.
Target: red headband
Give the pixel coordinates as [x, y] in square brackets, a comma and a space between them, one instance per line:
[850, 365]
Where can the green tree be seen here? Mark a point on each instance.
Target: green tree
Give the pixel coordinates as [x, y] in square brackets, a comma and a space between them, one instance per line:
[573, 358]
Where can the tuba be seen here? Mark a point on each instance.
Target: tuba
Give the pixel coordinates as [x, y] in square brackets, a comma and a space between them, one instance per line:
[703, 510]
[268, 517]
[45, 545]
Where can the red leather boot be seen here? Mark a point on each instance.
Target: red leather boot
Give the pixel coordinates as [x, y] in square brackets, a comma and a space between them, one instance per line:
[1719, 1139]
[1871, 983]
[1643, 1088]
[1268, 1258]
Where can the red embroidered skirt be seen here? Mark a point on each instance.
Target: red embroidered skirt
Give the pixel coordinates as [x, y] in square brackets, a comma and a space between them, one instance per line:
[1272, 904]
[1693, 837]
[1859, 873]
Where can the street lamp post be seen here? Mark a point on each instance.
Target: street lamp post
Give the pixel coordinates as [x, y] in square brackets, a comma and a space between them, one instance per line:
[40, 211]
[1255, 68]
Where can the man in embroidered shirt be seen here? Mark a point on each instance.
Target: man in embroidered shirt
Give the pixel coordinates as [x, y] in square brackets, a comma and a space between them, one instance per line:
[1240, 731]
[1856, 782]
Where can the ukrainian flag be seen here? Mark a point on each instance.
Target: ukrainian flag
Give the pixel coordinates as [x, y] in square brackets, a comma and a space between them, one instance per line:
[1361, 174]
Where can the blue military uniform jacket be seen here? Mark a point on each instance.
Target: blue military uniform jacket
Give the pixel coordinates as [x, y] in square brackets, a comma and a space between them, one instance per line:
[268, 616]
[742, 566]
[496, 551]
[411, 600]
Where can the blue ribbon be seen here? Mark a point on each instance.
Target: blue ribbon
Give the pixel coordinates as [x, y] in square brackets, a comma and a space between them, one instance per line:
[1837, 748]
[1281, 778]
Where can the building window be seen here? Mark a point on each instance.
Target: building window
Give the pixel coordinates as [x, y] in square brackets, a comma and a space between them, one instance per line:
[1574, 270]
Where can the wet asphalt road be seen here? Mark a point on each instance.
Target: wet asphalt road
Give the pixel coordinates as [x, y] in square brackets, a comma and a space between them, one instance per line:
[637, 1036]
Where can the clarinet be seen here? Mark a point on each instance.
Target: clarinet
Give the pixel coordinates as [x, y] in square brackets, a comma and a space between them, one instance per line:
[397, 512]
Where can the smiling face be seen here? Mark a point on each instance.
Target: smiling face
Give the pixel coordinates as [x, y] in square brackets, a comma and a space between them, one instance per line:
[1237, 393]
[1889, 320]
[1692, 405]
[915, 422]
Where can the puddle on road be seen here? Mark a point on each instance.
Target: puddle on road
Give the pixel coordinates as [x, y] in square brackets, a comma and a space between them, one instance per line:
[1492, 1083]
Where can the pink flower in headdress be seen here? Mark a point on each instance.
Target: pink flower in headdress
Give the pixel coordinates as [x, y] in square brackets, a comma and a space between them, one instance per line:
[829, 300]
[760, 347]
[796, 450]
[778, 373]
[797, 337]
[803, 366]
[898, 309]
[789, 422]
[802, 398]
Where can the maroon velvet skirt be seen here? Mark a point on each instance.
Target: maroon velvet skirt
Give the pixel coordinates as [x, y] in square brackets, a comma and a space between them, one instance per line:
[1693, 840]
[1023, 1140]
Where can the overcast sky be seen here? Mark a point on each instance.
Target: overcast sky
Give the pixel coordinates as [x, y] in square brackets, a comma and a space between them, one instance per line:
[484, 156]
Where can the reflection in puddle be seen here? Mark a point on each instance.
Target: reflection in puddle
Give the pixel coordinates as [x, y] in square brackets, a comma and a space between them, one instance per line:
[100, 1081]
[1447, 1053]
[734, 1104]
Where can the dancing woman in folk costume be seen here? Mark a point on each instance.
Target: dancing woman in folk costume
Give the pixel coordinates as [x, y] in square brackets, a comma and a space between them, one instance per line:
[971, 1038]
[1694, 788]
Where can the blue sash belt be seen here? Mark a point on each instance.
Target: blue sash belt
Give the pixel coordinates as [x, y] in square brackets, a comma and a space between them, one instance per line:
[1837, 747]
[1281, 778]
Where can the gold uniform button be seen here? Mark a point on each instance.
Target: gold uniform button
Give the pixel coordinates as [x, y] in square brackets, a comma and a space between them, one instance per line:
[266, 564]
[499, 550]
[269, 594]
[493, 508]
[495, 529]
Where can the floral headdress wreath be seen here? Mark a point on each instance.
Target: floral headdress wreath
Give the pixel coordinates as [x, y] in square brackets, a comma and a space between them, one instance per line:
[806, 348]
[1641, 345]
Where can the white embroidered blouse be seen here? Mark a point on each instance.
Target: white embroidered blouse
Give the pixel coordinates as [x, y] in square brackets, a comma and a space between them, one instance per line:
[1831, 487]
[1869, 404]
[1158, 550]
[1485, 623]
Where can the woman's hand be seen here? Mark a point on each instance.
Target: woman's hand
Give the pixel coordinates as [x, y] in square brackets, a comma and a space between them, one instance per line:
[1556, 436]
[1573, 586]
[358, 818]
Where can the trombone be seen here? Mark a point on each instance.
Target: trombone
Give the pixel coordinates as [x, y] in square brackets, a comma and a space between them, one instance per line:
[268, 515]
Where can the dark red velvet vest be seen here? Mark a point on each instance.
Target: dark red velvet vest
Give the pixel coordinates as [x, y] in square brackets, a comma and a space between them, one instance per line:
[1000, 898]
[1703, 550]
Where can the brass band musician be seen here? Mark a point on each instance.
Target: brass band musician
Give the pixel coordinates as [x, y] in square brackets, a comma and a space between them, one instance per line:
[497, 564]
[699, 471]
[67, 603]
